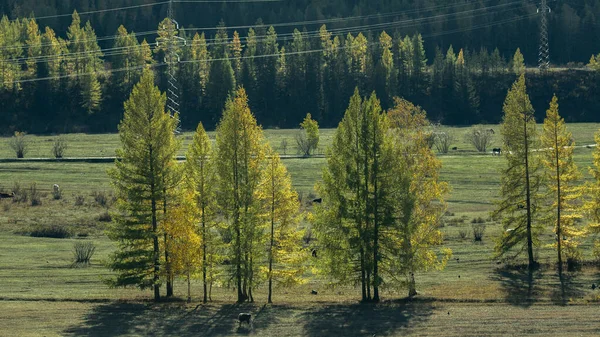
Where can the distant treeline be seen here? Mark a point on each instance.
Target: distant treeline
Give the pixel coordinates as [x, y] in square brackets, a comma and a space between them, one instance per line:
[51, 84]
[573, 24]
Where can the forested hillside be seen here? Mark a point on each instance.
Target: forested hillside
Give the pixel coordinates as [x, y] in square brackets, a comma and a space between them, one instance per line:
[574, 24]
[64, 73]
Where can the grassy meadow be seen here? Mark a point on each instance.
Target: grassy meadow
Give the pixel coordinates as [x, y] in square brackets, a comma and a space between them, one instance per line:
[42, 294]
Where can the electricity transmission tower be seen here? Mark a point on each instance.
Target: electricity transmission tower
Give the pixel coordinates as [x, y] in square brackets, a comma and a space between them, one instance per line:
[172, 59]
[544, 52]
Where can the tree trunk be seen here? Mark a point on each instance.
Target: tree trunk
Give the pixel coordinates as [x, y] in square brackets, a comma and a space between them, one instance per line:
[238, 261]
[271, 246]
[559, 204]
[375, 223]
[168, 268]
[528, 197]
[251, 272]
[362, 274]
[189, 297]
[204, 257]
[156, 252]
[368, 284]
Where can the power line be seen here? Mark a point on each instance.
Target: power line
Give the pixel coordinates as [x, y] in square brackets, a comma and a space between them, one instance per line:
[100, 10]
[352, 18]
[281, 37]
[515, 19]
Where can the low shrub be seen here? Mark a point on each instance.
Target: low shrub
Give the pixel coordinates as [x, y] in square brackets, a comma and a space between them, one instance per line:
[478, 230]
[83, 252]
[105, 217]
[59, 147]
[100, 198]
[54, 231]
[19, 144]
[20, 193]
[463, 233]
[79, 200]
[34, 195]
[478, 220]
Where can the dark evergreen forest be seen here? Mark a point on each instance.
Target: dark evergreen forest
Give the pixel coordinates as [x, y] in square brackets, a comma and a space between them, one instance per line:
[66, 73]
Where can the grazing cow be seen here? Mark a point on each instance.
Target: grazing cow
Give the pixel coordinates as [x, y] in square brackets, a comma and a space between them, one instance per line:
[313, 292]
[318, 200]
[7, 195]
[496, 151]
[245, 317]
[455, 148]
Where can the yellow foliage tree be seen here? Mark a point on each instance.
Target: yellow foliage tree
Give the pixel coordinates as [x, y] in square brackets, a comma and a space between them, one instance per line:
[592, 207]
[420, 195]
[184, 244]
[562, 176]
[280, 202]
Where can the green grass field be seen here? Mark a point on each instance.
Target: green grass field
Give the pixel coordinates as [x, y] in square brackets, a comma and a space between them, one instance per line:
[42, 295]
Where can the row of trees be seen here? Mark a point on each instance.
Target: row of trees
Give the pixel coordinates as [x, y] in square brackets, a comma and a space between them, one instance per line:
[286, 75]
[573, 24]
[230, 215]
[542, 185]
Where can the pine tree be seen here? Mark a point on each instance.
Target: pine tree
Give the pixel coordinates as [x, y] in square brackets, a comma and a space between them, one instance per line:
[353, 223]
[282, 206]
[10, 51]
[419, 65]
[34, 46]
[562, 176]
[129, 56]
[518, 63]
[236, 54]
[221, 81]
[239, 159]
[386, 71]
[149, 148]
[84, 64]
[520, 202]
[201, 175]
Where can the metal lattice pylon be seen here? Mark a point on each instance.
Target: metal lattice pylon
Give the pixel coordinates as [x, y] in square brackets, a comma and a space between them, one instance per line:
[172, 59]
[544, 52]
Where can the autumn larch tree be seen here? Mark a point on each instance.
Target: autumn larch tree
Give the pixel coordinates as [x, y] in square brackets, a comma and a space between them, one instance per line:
[520, 202]
[281, 205]
[562, 176]
[239, 156]
[417, 198]
[592, 206]
[148, 150]
[184, 244]
[200, 175]
[357, 199]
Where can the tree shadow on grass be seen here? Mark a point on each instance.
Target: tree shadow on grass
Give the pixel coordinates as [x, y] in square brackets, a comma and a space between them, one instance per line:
[568, 287]
[366, 319]
[112, 319]
[168, 319]
[520, 284]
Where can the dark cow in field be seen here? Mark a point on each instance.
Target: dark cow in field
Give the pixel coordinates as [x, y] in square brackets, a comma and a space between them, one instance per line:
[496, 151]
[7, 195]
[245, 317]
